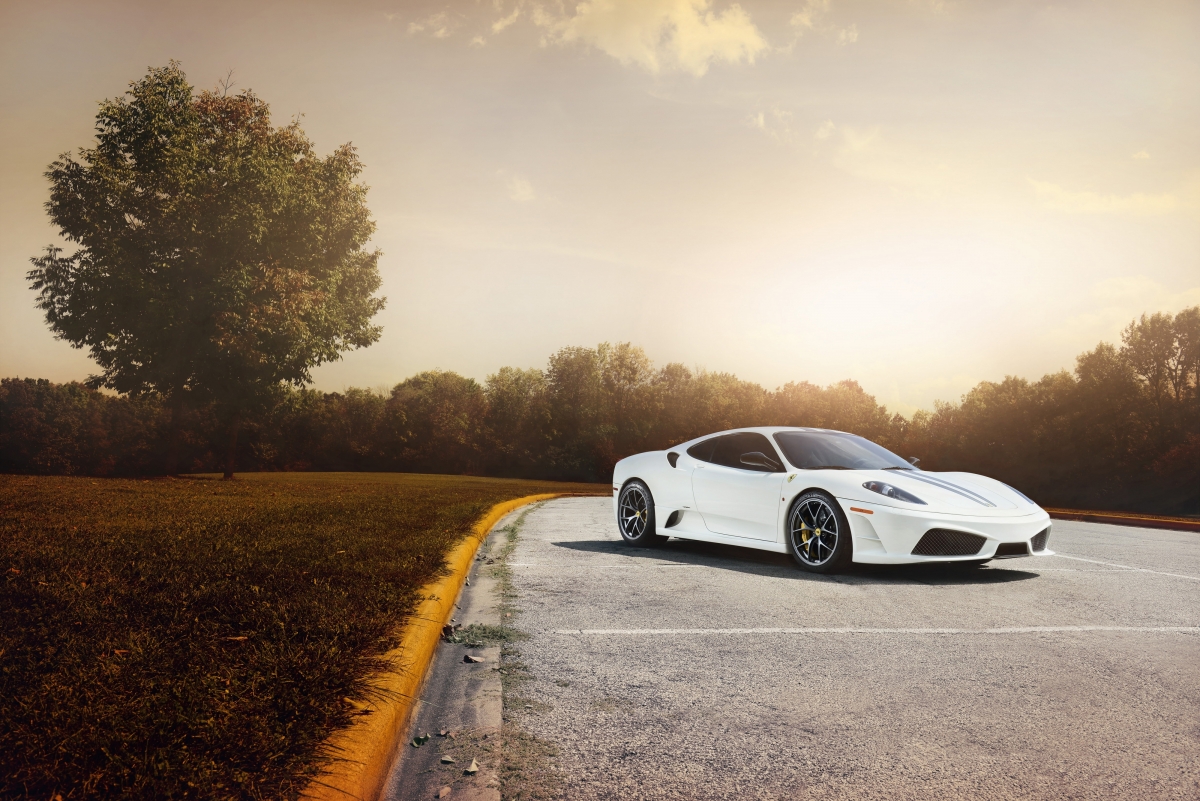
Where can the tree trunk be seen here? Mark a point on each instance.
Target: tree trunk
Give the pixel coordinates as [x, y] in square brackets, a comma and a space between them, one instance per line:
[173, 434]
[235, 422]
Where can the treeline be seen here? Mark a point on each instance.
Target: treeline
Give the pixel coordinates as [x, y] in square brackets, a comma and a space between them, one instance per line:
[1122, 431]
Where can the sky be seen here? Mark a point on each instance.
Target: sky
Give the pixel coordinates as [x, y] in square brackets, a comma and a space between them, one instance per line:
[916, 194]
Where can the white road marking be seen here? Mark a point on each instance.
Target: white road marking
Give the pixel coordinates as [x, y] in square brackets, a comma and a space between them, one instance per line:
[589, 567]
[1128, 567]
[860, 630]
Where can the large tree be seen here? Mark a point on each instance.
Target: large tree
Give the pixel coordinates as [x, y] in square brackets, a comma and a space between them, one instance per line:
[217, 259]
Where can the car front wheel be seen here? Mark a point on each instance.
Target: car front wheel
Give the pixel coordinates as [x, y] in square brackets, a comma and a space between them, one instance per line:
[818, 533]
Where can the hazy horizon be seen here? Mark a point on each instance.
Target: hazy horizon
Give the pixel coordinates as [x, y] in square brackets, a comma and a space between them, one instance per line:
[914, 195]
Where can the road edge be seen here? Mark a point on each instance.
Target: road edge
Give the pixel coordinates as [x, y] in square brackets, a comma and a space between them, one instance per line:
[1126, 519]
[365, 752]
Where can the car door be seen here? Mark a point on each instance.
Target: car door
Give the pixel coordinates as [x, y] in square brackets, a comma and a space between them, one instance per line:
[735, 498]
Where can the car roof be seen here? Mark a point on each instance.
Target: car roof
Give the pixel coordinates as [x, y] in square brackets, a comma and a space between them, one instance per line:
[767, 430]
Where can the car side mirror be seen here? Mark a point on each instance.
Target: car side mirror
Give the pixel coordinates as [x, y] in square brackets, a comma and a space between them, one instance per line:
[913, 460]
[757, 459]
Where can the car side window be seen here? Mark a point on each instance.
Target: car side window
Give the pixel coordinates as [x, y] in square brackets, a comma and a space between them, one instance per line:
[731, 447]
[703, 450]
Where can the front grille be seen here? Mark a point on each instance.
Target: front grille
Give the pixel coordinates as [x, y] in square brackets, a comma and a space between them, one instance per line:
[948, 542]
[1012, 549]
[1040, 540]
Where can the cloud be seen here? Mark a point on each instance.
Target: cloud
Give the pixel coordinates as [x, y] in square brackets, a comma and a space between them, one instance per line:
[810, 18]
[1141, 154]
[439, 25]
[504, 22]
[775, 123]
[478, 41]
[659, 35]
[806, 17]
[520, 189]
[1139, 203]
[868, 152]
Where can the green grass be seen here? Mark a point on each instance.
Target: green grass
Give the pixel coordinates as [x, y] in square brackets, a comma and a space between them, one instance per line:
[195, 638]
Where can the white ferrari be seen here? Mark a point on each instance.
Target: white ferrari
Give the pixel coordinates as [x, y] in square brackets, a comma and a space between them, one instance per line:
[826, 497]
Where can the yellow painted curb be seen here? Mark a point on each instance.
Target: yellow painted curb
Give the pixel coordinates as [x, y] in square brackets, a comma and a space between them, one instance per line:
[365, 752]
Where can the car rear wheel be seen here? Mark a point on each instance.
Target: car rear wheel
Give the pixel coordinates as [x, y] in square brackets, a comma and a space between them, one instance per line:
[818, 533]
[635, 515]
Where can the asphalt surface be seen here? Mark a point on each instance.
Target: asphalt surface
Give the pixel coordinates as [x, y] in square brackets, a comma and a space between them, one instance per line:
[659, 675]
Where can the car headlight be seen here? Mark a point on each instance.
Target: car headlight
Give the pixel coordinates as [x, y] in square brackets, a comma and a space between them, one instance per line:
[893, 492]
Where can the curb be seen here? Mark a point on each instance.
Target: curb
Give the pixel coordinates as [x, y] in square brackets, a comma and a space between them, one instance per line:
[367, 750]
[1126, 519]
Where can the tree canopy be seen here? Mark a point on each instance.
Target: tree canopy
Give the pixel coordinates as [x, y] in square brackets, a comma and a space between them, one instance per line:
[1104, 435]
[218, 257]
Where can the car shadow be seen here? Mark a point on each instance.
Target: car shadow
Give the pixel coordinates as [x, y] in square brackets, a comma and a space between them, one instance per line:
[777, 565]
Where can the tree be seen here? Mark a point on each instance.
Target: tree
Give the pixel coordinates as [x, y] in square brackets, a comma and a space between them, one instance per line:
[219, 258]
[437, 418]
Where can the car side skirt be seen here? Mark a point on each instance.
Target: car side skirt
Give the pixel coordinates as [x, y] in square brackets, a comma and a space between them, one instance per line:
[691, 527]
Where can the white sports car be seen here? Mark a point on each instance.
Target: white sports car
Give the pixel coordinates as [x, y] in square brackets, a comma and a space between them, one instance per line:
[826, 497]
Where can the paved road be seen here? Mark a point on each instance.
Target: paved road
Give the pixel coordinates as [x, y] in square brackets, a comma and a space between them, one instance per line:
[1056, 677]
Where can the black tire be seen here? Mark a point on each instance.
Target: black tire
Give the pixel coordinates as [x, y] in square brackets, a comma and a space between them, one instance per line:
[635, 515]
[815, 545]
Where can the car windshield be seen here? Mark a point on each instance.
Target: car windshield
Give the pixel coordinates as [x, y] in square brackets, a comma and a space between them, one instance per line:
[825, 450]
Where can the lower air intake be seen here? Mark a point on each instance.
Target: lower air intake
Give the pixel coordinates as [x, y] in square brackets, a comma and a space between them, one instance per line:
[1040, 540]
[948, 542]
[1012, 549]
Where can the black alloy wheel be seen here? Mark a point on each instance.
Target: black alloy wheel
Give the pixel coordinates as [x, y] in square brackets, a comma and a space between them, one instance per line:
[818, 533]
[635, 515]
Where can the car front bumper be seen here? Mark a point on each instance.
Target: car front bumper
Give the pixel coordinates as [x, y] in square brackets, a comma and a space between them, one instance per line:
[886, 535]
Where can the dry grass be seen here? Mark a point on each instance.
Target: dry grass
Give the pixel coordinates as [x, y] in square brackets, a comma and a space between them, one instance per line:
[196, 638]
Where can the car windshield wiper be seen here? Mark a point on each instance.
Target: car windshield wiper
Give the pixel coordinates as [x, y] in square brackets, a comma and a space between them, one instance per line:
[829, 467]
[898, 468]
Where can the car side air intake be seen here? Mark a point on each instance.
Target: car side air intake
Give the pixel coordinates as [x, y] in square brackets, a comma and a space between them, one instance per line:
[1040, 540]
[948, 542]
[1012, 549]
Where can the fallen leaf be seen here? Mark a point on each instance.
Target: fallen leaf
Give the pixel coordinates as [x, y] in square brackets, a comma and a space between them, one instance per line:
[472, 769]
[417, 742]
[120, 651]
[442, 793]
[472, 659]
[443, 732]
[447, 760]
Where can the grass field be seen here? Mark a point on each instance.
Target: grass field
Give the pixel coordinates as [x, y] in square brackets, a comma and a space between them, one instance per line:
[197, 638]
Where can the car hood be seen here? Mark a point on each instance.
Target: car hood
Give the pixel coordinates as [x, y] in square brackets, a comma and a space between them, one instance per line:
[951, 493]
